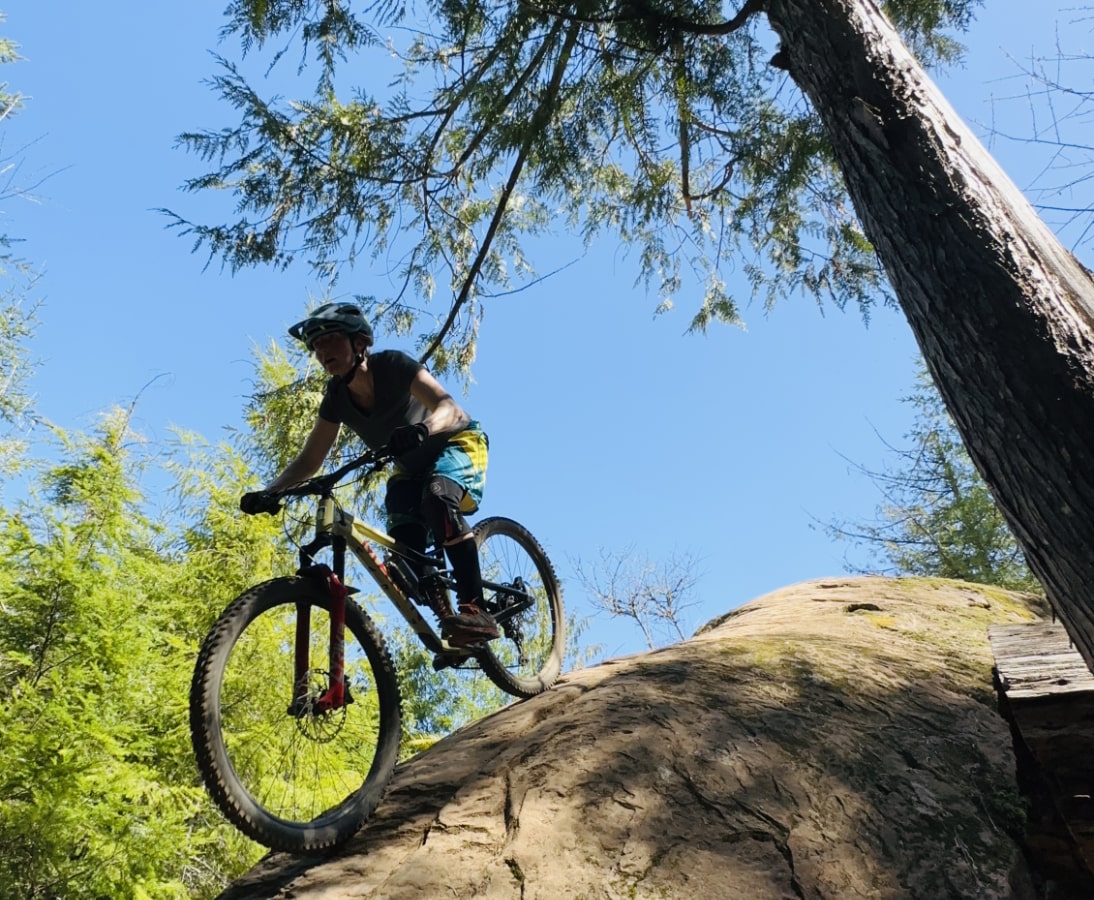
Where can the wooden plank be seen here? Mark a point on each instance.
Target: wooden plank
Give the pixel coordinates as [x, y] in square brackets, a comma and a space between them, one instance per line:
[1038, 660]
[1049, 697]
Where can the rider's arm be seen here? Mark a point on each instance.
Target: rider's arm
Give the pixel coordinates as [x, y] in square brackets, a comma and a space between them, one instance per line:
[445, 414]
[308, 461]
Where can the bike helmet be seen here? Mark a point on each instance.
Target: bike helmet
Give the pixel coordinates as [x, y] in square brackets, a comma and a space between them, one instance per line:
[343, 317]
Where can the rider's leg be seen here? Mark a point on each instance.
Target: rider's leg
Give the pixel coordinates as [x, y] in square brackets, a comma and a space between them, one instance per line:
[405, 523]
[463, 554]
[403, 504]
[441, 508]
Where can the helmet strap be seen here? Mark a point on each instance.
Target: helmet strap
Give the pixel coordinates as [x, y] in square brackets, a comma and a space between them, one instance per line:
[358, 358]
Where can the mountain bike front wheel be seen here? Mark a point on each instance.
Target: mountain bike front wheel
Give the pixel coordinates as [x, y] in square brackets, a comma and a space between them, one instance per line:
[287, 772]
[527, 659]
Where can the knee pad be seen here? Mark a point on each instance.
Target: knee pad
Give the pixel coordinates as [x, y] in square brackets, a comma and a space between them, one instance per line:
[441, 509]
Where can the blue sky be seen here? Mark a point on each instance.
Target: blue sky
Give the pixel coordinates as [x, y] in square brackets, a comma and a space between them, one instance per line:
[609, 427]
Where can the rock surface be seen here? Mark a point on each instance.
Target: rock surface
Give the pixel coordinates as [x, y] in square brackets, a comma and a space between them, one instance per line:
[837, 739]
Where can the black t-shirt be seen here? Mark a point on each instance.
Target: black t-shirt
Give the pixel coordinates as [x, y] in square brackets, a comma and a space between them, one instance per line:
[392, 374]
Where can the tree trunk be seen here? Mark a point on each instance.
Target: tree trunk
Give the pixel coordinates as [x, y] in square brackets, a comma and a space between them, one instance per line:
[1002, 312]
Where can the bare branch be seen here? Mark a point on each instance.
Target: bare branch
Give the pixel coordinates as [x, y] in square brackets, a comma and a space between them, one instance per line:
[655, 595]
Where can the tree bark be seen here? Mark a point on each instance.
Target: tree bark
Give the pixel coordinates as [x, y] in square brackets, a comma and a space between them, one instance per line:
[1002, 312]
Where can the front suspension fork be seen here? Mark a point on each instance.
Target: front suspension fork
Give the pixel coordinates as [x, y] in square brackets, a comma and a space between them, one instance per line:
[336, 695]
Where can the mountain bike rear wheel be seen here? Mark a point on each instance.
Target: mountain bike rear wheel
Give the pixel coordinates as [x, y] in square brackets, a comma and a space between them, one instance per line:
[527, 659]
[287, 774]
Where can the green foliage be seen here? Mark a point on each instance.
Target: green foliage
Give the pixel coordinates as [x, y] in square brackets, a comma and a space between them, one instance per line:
[937, 516]
[99, 796]
[279, 417]
[280, 414]
[657, 122]
[221, 552]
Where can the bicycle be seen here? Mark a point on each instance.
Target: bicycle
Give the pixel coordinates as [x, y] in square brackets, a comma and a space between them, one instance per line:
[296, 729]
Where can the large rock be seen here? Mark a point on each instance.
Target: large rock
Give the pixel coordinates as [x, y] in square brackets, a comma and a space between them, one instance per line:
[837, 739]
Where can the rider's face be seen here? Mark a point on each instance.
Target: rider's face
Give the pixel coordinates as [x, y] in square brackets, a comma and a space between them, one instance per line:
[334, 352]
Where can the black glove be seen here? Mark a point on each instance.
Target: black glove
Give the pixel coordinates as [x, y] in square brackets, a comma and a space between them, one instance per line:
[255, 502]
[407, 437]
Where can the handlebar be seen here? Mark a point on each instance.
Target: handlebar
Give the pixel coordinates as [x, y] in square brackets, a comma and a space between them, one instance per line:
[321, 485]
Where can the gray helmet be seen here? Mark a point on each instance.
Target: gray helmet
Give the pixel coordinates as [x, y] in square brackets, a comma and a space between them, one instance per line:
[341, 317]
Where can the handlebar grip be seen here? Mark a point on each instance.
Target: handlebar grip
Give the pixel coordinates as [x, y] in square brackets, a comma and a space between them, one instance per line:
[257, 502]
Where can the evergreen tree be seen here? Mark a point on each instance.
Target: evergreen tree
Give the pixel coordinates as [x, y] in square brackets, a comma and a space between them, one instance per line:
[937, 516]
[98, 796]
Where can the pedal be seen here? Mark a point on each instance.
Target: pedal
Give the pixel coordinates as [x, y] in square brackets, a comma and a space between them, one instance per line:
[467, 647]
[447, 660]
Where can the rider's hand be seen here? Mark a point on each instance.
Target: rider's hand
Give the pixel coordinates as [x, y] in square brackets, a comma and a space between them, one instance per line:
[255, 502]
[407, 437]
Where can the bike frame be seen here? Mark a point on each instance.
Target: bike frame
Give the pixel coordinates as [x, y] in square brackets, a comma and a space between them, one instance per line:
[339, 529]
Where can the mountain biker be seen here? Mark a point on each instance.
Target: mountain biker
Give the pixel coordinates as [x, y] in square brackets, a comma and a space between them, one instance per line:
[389, 399]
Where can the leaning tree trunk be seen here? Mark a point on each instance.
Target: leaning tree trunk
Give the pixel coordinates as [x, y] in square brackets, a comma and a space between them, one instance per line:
[1002, 312]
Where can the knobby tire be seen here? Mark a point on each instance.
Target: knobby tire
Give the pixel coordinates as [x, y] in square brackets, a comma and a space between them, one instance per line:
[507, 552]
[302, 782]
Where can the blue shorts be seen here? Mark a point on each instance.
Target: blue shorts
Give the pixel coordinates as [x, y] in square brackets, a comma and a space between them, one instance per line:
[463, 461]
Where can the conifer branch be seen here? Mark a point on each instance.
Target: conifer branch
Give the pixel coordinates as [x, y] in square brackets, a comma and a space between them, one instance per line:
[543, 113]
